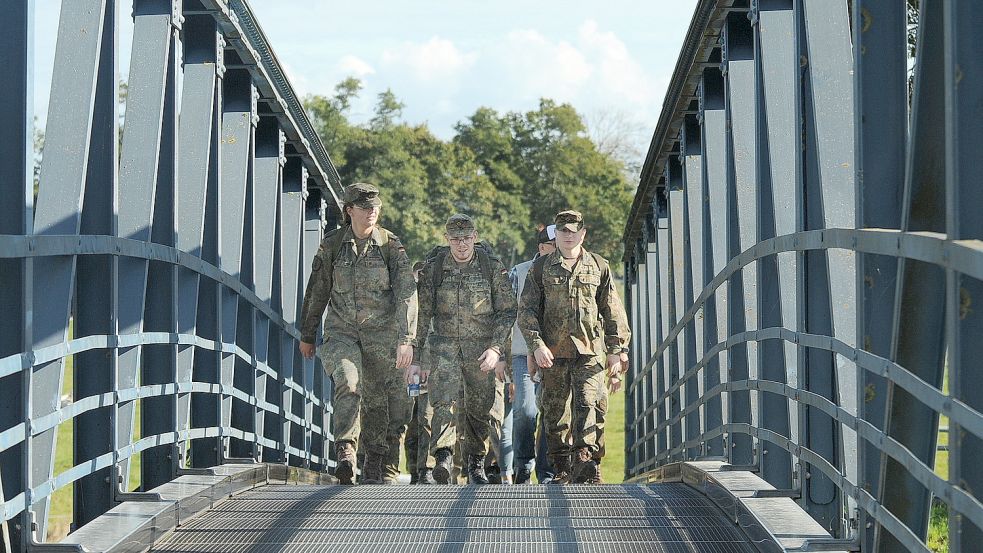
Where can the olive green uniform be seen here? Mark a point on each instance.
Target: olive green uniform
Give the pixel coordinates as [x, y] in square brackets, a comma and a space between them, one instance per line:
[578, 315]
[370, 296]
[469, 315]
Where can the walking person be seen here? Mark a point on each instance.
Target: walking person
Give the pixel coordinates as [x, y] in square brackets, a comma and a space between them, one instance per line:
[465, 293]
[528, 430]
[574, 322]
[362, 277]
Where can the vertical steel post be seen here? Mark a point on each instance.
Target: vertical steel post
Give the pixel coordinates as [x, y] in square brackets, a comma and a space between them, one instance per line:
[653, 386]
[59, 202]
[742, 213]
[158, 414]
[665, 361]
[715, 217]
[266, 195]
[16, 218]
[829, 191]
[880, 126]
[239, 119]
[292, 369]
[198, 150]
[691, 150]
[95, 284]
[199, 146]
[776, 135]
[964, 96]
[919, 316]
[313, 223]
[150, 98]
[678, 304]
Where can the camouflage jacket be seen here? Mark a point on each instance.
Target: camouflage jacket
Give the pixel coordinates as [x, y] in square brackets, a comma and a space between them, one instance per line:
[574, 312]
[467, 307]
[362, 293]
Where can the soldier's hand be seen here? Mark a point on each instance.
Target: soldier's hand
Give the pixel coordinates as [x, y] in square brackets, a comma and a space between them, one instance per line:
[500, 370]
[404, 356]
[307, 350]
[614, 365]
[424, 376]
[614, 384]
[544, 357]
[624, 362]
[410, 372]
[488, 360]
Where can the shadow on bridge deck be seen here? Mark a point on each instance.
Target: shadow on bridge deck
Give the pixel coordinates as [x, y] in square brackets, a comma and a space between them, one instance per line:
[666, 517]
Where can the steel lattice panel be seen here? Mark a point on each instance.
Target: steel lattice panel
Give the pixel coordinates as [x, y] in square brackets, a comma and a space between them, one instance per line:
[664, 518]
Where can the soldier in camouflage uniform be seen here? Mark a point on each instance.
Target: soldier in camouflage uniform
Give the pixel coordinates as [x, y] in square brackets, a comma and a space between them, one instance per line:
[575, 324]
[362, 276]
[467, 295]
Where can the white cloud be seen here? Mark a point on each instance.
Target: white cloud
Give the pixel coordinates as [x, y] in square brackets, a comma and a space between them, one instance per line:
[354, 66]
[621, 77]
[434, 60]
[538, 67]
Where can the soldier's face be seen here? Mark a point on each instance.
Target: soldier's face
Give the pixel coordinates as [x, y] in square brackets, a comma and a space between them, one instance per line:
[567, 240]
[364, 218]
[462, 247]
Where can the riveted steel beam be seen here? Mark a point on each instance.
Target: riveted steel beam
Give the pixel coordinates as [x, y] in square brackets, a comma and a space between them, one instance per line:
[880, 63]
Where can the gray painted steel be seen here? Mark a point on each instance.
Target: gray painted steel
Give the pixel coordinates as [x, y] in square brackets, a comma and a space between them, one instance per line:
[138, 264]
[849, 257]
[660, 517]
[881, 133]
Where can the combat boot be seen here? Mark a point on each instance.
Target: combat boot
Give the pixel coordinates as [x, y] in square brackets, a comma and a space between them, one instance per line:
[523, 476]
[561, 468]
[494, 474]
[372, 469]
[425, 477]
[584, 467]
[345, 471]
[476, 469]
[390, 474]
[444, 466]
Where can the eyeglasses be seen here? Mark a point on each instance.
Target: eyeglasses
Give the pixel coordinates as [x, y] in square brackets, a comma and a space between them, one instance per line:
[461, 239]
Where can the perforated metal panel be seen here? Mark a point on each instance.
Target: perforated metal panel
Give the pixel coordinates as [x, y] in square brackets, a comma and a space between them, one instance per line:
[663, 518]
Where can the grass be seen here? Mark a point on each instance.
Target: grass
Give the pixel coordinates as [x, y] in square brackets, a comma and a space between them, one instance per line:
[613, 466]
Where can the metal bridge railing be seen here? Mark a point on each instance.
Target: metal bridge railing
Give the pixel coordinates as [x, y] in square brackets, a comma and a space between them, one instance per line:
[166, 262]
[804, 262]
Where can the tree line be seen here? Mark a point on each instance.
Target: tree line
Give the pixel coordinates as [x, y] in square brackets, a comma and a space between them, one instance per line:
[510, 171]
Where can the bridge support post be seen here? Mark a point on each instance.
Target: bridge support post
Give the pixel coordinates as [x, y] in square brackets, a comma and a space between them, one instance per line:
[677, 300]
[775, 129]
[715, 183]
[919, 320]
[964, 196]
[16, 218]
[828, 281]
[198, 150]
[95, 285]
[881, 129]
[742, 216]
[694, 200]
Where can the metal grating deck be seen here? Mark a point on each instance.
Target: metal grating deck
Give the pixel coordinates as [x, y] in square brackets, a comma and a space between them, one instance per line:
[662, 518]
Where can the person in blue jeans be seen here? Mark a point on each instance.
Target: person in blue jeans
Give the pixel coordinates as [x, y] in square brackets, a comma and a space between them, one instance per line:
[529, 452]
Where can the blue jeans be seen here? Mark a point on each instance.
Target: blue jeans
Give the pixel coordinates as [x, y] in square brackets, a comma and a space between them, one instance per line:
[525, 415]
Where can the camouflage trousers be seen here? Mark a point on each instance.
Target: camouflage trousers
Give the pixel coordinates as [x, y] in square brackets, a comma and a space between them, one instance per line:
[456, 379]
[574, 403]
[418, 436]
[371, 407]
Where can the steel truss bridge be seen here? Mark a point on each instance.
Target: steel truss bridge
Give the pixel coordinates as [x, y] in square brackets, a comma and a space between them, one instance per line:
[802, 259]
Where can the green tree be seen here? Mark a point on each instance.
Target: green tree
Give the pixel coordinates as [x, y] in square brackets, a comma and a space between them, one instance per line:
[511, 172]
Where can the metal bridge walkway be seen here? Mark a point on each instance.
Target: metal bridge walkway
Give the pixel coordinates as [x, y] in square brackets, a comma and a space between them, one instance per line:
[633, 517]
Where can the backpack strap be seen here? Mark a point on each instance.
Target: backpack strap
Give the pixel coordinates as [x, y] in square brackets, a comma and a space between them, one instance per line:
[538, 268]
[336, 242]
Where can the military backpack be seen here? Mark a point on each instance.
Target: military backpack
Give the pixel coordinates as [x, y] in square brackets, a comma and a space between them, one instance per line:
[437, 256]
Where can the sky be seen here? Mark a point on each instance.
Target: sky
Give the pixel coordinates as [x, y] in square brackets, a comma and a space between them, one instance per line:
[446, 58]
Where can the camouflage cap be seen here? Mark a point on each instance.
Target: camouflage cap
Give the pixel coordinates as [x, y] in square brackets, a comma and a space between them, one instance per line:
[460, 224]
[570, 220]
[363, 195]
